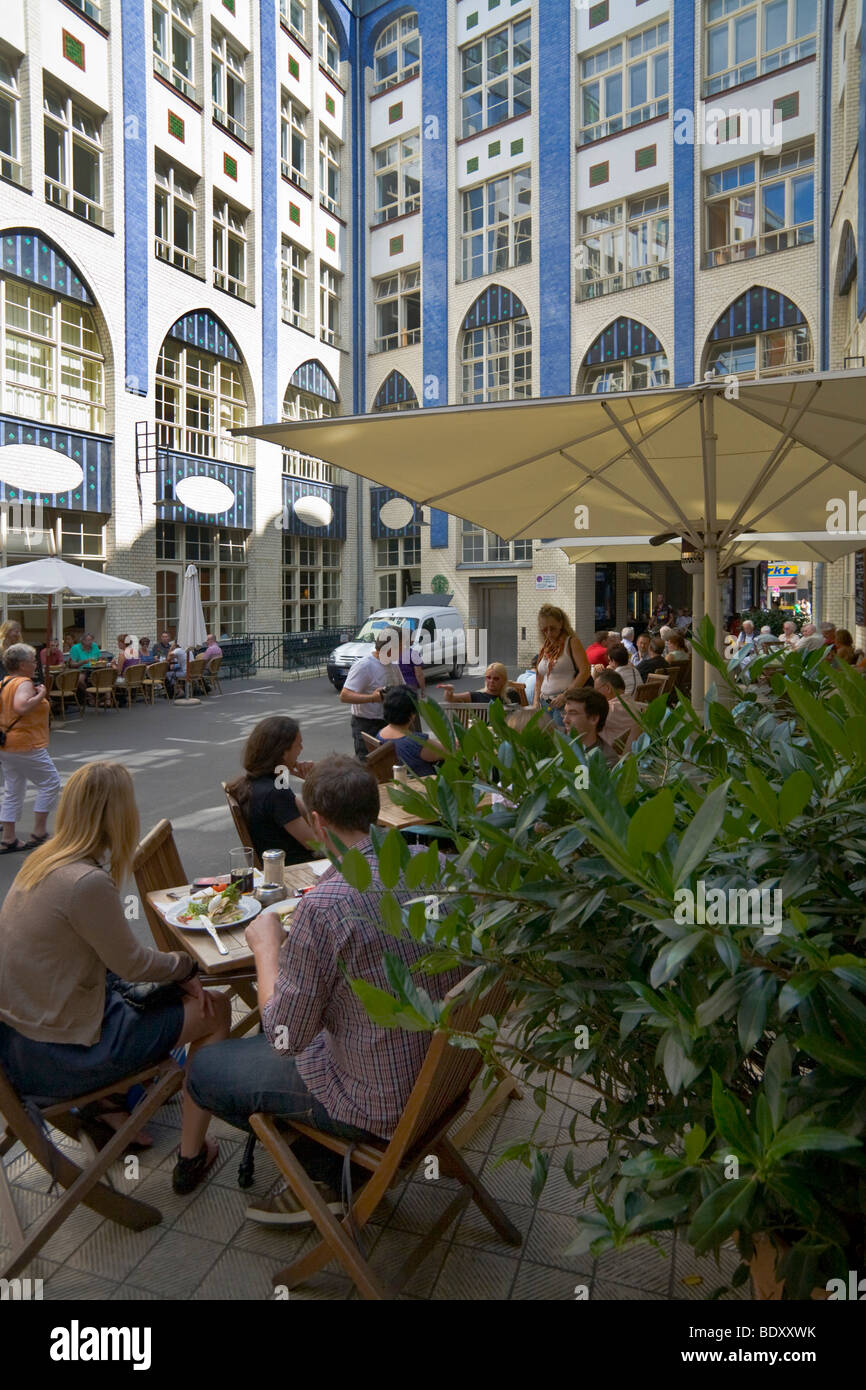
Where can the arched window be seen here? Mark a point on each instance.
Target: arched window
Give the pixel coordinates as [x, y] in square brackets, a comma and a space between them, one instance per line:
[395, 393]
[761, 334]
[625, 357]
[199, 391]
[53, 364]
[329, 47]
[397, 55]
[496, 349]
[310, 395]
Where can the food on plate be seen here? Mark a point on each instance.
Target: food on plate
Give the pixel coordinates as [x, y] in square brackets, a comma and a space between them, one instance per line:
[222, 907]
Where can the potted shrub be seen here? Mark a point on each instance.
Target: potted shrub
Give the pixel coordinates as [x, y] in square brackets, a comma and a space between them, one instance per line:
[727, 1054]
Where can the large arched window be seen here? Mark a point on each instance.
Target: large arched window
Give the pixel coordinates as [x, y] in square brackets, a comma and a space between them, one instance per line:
[395, 393]
[329, 46]
[199, 391]
[761, 334]
[496, 349]
[625, 357]
[53, 364]
[397, 55]
[845, 298]
[310, 395]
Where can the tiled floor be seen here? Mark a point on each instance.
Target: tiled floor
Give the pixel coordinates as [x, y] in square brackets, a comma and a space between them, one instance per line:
[205, 1249]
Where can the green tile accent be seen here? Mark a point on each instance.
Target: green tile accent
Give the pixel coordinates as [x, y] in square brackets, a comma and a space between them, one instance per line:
[494, 148]
[330, 104]
[472, 165]
[599, 14]
[517, 147]
[493, 4]
[230, 166]
[230, 5]
[645, 158]
[395, 112]
[599, 173]
[330, 241]
[785, 108]
[295, 214]
[472, 20]
[73, 49]
[395, 245]
[175, 126]
[294, 67]
[730, 129]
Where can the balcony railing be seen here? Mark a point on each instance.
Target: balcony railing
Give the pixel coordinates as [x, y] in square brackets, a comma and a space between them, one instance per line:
[636, 116]
[399, 209]
[292, 316]
[176, 79]
[407, 338]
[74, 202]
[230, 123]
[332, 204]
[771, 62]
[230, 284]
[174, 255]
[291, 173]
[312, 470]
[202, 443]
[623, 280]
[330, 335]
[11, 169]
[801, 235]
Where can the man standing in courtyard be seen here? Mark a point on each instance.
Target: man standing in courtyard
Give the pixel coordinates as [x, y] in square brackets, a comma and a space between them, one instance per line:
[365, 686]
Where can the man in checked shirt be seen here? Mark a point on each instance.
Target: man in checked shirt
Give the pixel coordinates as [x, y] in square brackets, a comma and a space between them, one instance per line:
[319, 1058]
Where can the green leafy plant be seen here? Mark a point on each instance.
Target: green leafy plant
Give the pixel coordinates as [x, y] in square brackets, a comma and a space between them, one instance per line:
[726, 1058]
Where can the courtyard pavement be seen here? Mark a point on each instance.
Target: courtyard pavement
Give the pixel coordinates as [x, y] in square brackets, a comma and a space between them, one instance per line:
[205, 1248]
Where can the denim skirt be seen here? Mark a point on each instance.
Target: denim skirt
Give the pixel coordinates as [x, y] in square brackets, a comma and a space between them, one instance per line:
[130, 1040]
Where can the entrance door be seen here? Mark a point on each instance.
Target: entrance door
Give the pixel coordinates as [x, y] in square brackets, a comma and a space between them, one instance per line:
[497, 615]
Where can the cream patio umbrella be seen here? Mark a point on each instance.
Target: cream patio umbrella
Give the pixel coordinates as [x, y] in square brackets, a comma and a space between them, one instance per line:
[54, 577]
[191, 629]
[705, 463]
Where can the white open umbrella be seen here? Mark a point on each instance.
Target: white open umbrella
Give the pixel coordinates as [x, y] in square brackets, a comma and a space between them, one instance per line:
[191, 630]
[54, 577]
[706, 463]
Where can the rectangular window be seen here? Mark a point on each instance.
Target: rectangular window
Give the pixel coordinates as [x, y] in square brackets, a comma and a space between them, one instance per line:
[398, 309]
[89, 7]
[166, 540]
[82, 537]
[496, 77]
[329, 304]
[625, 83]
[497, 224]
[330, 152]
[623, 245]
[294, 160]
[175, 212]
[483, 547]
[73, 155]
[746, 38]
[10, 163]
[397, 167]
[387, 553]
[293, 283]
[228, 85]
[174, 44]
[229, 247]
[760, 206]
[387, 590]
[294, 12]
[472, 552]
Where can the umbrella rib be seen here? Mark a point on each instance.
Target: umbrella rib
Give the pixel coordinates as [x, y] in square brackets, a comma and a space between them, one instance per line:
[647, 469]
[619, 491]
[803, 483]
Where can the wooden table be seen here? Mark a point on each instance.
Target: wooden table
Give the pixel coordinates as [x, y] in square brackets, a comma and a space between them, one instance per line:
[395, 817]
[200, 946]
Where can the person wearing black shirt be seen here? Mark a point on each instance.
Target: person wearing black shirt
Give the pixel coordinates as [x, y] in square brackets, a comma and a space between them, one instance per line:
[655, 661]
[495, 688]
[275, 816]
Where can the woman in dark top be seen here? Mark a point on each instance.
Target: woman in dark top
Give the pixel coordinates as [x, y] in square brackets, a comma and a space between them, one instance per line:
[274, 814]
[418, 752]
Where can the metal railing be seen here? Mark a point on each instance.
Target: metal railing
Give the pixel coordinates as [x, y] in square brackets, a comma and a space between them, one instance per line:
[252, 652]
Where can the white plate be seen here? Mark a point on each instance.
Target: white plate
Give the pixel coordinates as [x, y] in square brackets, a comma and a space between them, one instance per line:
[250, 907]
[319, 866]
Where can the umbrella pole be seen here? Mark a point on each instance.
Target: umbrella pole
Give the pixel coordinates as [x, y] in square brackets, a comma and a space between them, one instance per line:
[48, 624]
[698, 668]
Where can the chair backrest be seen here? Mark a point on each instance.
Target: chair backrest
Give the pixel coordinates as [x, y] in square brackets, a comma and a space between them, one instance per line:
[157, 865]
[241, 826]
[467, 714]
[381, 762]
[521, 690]
[195, 668]
[657, 678]
[103, 679]
[371, 744]
[156, 670]
[134, 675]
[448, 1072]
[214, 664]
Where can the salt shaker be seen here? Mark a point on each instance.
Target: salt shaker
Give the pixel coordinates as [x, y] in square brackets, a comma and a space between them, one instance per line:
[274, 864]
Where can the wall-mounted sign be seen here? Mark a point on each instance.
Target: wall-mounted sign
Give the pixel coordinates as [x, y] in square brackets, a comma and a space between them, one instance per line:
[778, 571]
[545, 581]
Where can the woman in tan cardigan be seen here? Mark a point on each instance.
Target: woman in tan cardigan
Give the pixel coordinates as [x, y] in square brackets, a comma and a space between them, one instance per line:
[66, 949]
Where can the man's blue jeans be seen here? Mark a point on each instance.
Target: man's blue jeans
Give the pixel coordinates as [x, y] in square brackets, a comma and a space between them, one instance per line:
[241, 1076]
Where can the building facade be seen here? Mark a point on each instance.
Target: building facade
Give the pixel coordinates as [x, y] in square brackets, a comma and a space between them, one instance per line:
[217, 212]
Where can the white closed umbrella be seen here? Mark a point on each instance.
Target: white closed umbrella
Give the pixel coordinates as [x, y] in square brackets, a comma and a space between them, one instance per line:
[191, 630]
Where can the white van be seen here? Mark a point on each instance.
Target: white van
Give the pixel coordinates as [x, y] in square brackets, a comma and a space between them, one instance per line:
[437, 634]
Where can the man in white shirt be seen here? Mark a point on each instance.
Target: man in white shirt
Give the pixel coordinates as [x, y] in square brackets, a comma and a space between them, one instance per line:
[810, 639]
[365, 686]
[627, 673]
[627, 635]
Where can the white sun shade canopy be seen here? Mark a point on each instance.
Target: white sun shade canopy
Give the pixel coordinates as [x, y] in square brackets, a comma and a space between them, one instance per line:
[55, 576]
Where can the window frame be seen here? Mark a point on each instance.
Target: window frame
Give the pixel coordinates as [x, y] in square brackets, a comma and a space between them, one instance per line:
[320, 559]
[327, 40]
[794, 363]
[67, 126]
[481, 90]
[479, 546]
[290, 7]
[519, 222]
[290, 273]
[53, 353]
[230, 225]
[175, 12]
[406, 291]
[405, 202]
[625, 226]
[294, 125]
[228, 67]
[629, 366]
[762, 179]
[330, 165]
[508, 350]
[764, 60]
[189, 392]
[171, 187]
[304, 405]
[393, 38]
[330, 303]
[11, 166]
[628, 115]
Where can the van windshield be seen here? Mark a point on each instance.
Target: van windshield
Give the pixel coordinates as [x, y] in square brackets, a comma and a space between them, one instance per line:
[374, 625]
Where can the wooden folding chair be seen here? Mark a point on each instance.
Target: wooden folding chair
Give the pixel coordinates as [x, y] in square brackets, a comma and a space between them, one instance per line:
[464, 714]
[154, 680]
[157, 865]
[439, 1095]
[371, 744]
[81, 1184]
[381, 762]
[241, 824]
[521, 690]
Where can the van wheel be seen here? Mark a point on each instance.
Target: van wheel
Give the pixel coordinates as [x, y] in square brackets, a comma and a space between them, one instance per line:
[456, 672]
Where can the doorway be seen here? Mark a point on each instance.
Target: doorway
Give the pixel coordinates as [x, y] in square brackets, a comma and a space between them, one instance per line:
[496, 605]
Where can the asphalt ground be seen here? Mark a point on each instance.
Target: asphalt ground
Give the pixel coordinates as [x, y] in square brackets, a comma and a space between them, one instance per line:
[179, 755]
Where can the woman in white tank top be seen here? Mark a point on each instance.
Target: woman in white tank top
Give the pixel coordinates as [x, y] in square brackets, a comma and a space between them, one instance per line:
[562, 661]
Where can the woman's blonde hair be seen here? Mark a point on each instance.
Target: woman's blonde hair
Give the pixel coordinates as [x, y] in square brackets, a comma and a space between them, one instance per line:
[549, 610]
[6, 631]
[498, 668]
[96, 816]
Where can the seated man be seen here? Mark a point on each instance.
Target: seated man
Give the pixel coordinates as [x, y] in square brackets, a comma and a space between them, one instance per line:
[495, 688]
[747, 633]
[585, 714]
[176, 668]
[810, 639]
[643, 649]
[163, 649]
[619, 662]
[596, 652]
[319, 1057]
[655, 661]
[628, 642]
[211, 649]
[619, 722]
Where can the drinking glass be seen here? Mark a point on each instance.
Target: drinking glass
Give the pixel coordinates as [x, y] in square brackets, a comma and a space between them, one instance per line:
[241, 868]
